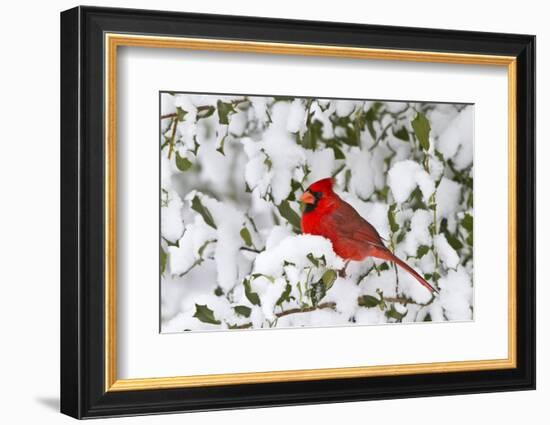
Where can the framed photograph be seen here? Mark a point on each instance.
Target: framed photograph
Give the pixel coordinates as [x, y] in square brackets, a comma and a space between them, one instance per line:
[261, 212]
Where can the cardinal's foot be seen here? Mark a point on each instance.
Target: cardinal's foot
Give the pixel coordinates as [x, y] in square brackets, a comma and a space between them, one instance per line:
[342, 272]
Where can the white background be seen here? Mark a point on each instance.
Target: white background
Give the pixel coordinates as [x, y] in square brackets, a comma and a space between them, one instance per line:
[29, 225]
[144, 352]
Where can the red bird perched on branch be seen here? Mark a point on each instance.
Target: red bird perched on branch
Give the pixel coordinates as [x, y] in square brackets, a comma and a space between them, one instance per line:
[352, 237]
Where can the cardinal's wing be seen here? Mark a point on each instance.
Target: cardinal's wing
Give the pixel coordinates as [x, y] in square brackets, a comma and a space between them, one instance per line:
[352, 226]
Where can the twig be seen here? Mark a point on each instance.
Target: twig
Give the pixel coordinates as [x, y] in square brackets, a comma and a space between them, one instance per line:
[405, 300]
[330, 305]
[172, 137]
[246, 248]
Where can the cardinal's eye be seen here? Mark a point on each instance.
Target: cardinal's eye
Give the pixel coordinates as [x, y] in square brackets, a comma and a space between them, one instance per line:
[317, 195]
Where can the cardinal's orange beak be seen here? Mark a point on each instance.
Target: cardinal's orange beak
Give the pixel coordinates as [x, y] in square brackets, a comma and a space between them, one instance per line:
[307, 198]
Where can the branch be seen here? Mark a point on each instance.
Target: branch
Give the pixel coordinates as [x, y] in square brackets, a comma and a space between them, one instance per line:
[405, 300]
[330, 305]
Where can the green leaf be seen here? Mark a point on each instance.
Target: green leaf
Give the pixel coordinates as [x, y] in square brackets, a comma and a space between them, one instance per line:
[384, 266]
[197, 205]
[268, 162]
[251, 296]
[394, 314]
[204, 314]
[421, 127]
[257, 275]
[180, 113]
[422, 250]
[313, 133]
[402, 134]
[203, 247]
[205, 112]
[224, 110]
[163, 258]
[285, 296]
[218, 291]
[338, 154]
[328, 278]
[170, 243]
[242, 310]
[453, 241]
[289, 214]
[371, 116]
[317, 291]
[245, 236]
[221, 147]
[468, 222]
[394, 227]
[182, 163]
[368, 301]
[313, 260]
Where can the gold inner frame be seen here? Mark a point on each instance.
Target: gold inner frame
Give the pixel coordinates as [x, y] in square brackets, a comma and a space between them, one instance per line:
[113, 41]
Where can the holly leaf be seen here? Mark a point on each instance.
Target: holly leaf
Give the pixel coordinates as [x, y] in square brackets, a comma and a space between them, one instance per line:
[182, 163]
[453, 241]
[401, 134]
[368, 301]
[394, 227]
[422, 250]
[285, 296]
[245, 236]
[468, 222]
[253, 297]
[205, 112]
[204, 314]
[289, 214]
[317, 292]
[421, 127]
[180, 113]
[163, 258]
[328, 278]
[313, 260]
[392, 313]
[242, 310]
[224, 110]
[197, 205]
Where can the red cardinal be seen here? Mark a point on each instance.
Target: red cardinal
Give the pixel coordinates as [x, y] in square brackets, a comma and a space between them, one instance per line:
[352, 237]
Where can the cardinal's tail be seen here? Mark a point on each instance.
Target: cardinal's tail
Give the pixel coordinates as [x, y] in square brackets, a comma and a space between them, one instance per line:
[387, 255]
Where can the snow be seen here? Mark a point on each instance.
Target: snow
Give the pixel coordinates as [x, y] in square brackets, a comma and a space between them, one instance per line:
[294, 249]
[229, 222]
[447, 197]
[263, 165]
[321, 163]
[362, 178]
[446, 253]
[196, 235]
[171, 220]
[344, 107]
[456, 140]
[279, 149]
[405, 176]
[456, 295]
[419, 233]
[297, 117]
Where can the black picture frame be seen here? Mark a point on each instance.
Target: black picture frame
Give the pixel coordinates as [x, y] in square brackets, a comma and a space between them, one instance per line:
[83, 392]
